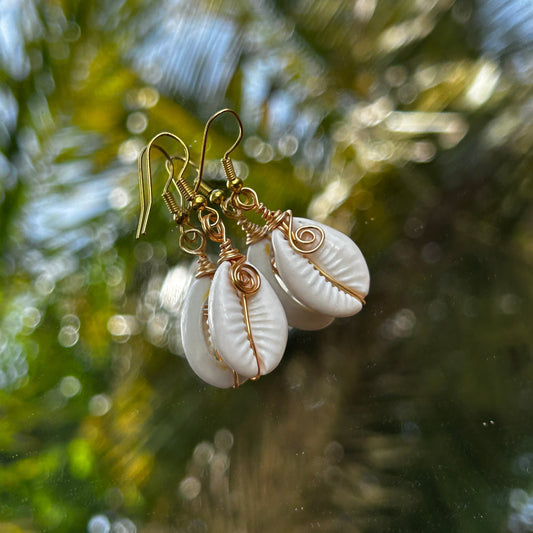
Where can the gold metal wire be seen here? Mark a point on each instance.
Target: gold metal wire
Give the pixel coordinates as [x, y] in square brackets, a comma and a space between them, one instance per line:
[305, 240]
[147, 153]
[254, 232]
[244, 304]
[204, 142]
[352, 292]
[171, 203]
[185, 190]
[228, 253]
[204, 266]
[229, 169]
[212, 225]
[203, 187]
[191, 240]
[245, 277]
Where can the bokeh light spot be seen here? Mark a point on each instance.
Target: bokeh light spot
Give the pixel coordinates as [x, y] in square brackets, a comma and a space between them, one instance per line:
[118, 198]
[68, 336]
[203, 453]
[147, 97]
[69, 386]
[224, 440]
[99, 404]
[129, 150]
[137, 122]
[190, 488]
[99, 524]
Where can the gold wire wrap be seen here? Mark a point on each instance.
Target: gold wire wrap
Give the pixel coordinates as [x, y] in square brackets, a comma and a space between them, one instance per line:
[254, 232]
[246, 199]
[352, 292]
[245, 277]
[205, 267]
[187, 240]
[228, 253]
[229, 169]
[305, 240]
[244, 304]
[212, 225]
[185, 190]
[171, 203]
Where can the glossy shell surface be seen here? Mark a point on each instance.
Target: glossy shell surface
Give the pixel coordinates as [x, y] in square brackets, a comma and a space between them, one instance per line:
[298, 315]
[227, 325]
[195, 337]
[339, 257]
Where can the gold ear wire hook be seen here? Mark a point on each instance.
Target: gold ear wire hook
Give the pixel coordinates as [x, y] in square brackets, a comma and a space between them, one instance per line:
[146, 207]
[204, 143]
[142, 185]
[204, 188]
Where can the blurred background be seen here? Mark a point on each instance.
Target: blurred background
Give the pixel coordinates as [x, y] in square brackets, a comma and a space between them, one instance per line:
[407, 124]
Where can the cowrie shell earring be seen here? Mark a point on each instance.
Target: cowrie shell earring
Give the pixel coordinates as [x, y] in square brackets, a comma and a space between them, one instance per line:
[297, 272]
[259, 254]
[199, 349]
[299, 315]
[321, 268]
[246, 320]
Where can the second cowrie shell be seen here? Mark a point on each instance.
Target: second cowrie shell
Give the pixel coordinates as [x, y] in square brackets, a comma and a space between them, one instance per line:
[298, 315]
[340, 260]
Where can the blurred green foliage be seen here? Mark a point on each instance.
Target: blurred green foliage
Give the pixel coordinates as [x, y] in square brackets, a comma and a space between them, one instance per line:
[406, 124]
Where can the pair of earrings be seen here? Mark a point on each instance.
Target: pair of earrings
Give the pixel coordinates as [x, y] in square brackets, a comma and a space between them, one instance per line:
[297, 272]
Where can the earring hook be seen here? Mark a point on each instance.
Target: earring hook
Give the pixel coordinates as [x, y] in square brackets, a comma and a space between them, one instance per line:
[146, 207]
[204, 142]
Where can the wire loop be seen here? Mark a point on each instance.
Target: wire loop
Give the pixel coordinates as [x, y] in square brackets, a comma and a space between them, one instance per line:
[204, 143]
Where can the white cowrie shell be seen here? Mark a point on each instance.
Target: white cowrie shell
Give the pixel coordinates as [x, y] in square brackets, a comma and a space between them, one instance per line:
[298, 315]
[338, 257]
[268, 325]
[196, 343]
